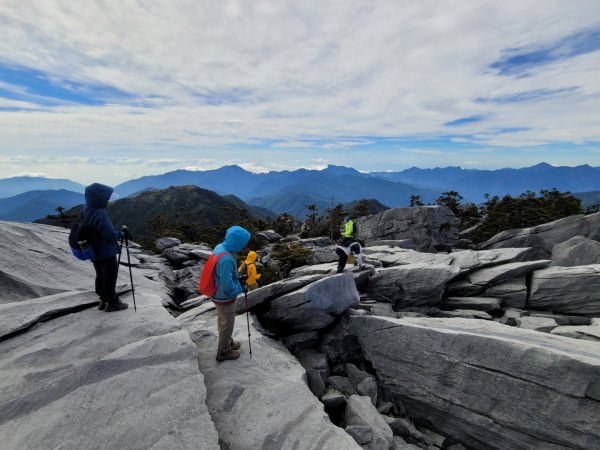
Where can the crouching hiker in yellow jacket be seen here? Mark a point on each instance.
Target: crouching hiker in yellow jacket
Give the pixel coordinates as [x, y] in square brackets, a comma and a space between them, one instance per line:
[250, 269]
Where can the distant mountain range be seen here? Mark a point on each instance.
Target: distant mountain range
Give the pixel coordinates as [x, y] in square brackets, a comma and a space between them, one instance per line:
[291, 191]
[474, 184]
[32, 205]
[10, 187]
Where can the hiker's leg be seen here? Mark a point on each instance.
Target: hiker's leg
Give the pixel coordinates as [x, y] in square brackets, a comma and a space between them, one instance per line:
[98, 282]
[109, 282]
[342, 259]
[226, 321]
[355, 248]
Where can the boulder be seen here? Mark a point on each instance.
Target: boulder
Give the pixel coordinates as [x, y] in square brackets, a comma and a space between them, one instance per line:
[202, 253]
[312, 359]
[469, 260]
[498, 274]
[544, 324]
[478, 381]
[265, 294]
[361, 412]
[542, 238]
[411, 284]
[399, 256]
[300, 341]
[489, 305]
[511, 315]
[360, 433]
[313, 307]
[383, 310]
[322, 241]
[430, 228]
[166, 242]
[335, 404]
[186, 281]
[568, 290]
[341, 384]
[322, 255]
[512, 293]
[269, 236]
[577, 251]
[315, 382]
[177, 255]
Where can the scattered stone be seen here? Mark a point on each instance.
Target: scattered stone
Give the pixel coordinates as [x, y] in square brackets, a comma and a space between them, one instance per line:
[269, 235]
[323, 255]
[201, 253]
[404, 428]
[385, 310]
[166, 242]
[568, 290]
[341, 384]
[300, 341]
[335, 404]
[177, 256]
[360, 433]
[385, 408]
[368, 388]
[315, 382]
[360, 411]
[311, 359]
[432, 438]
[511, 315]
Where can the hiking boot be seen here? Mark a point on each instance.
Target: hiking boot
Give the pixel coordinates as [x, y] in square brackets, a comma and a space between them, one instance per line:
[232, 354]
[116, 306]
[102, 304]
[235, 345]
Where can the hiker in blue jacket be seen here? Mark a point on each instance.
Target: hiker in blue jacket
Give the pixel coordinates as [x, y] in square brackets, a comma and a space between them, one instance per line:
[104, 242]
[228, 288]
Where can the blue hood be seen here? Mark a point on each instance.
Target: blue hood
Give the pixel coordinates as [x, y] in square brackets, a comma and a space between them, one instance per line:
[97, 195]
[236, 238]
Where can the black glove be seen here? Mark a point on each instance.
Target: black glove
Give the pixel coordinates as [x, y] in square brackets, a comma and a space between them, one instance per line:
[126, 233]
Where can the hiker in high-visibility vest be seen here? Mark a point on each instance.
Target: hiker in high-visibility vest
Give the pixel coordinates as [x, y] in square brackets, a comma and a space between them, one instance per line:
[249, 268]
[348, 245]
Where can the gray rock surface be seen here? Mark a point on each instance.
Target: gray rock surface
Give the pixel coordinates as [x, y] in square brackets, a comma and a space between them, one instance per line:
[577, 251]
[25, 246]
[489, 305]
[361, 412]
[588, 332]
[512, 293]
[313, 307]
[498, 274]
[479, 381]
[569, 290]
[429, 227]
[261, 401]
[269, 235]
[464, 314]
[166, 242]
[271, 291]
[401, 243]
[469, 260]
[411, 284]
[544, 324]
[88, 379]
[178, 255]
[544, 237]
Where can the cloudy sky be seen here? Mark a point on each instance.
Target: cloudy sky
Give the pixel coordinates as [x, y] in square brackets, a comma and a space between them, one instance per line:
[114, 89]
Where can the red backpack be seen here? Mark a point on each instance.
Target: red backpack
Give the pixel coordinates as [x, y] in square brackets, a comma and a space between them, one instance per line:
[207, 286]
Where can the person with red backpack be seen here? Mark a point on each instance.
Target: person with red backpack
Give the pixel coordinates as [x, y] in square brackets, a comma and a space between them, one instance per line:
[220, 282]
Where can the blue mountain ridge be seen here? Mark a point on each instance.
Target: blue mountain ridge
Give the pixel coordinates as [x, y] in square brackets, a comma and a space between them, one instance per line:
[32, 205]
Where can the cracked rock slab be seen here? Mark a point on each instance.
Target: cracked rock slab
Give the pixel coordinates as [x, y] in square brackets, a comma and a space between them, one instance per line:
[479, 381]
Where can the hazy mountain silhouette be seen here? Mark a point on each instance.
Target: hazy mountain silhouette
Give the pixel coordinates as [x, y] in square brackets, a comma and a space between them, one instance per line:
[10, 187]
[32, 205]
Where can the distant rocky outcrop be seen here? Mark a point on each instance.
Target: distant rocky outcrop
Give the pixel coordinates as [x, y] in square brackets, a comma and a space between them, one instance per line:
[542, 238]
[430, 228]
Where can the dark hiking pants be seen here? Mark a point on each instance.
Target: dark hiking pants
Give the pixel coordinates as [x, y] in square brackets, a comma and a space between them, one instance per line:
[106, 278]
[354, 248]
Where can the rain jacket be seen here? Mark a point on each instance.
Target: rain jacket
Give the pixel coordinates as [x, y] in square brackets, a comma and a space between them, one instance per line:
[226, 274]
[349, 229]
[250, 268]
[104, 235]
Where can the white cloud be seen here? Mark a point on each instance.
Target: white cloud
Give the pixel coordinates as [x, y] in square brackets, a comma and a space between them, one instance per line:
[304, 75]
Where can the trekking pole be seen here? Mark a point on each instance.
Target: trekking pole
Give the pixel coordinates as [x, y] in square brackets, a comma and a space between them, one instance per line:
[130, 273]
[248, 320]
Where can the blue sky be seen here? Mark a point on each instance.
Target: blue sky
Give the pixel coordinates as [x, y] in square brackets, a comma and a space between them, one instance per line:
[121, 89]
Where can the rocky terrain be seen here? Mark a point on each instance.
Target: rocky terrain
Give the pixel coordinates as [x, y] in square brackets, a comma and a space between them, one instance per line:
[497, 348]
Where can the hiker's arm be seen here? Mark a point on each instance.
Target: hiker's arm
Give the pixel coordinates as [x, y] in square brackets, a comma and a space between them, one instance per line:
[105, 228]
[229, 284]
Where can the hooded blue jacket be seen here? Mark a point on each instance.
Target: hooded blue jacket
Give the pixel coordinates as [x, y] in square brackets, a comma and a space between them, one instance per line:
[226, 273]
[104, 235]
